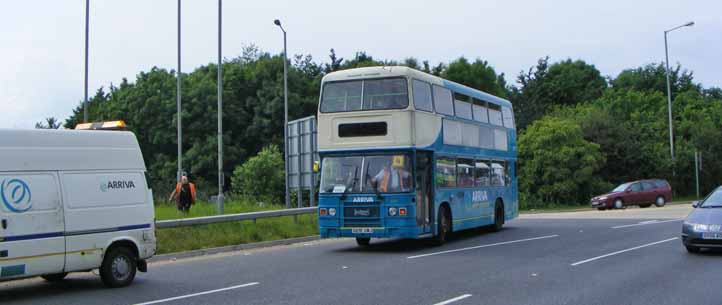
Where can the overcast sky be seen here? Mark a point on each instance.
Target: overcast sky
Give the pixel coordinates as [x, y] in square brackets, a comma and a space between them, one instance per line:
[42, 41]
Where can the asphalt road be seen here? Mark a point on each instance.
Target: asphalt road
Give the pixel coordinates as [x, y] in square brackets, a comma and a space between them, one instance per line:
[632, 256]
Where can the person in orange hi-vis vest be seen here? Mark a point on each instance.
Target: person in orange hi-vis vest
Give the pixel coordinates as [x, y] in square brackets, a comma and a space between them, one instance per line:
[184, 194]
[393, 177]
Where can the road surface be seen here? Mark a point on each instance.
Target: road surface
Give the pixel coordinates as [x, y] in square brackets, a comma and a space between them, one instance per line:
[631, 256]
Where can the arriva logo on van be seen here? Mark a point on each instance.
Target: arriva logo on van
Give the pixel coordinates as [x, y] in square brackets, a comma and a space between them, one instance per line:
[15, 194]
[116, 185]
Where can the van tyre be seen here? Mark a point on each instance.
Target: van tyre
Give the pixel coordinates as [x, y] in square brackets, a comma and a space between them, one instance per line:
[660, 202]
[618, 204]
[56, 277]
[119, 267]
[363, 241]
[443, 226]
[498, 217]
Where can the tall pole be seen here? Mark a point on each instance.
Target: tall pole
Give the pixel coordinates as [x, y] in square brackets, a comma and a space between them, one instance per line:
[178, 100]
[696, 171]
[285, 115]
[669, 91]
[87, 30]
[220, 113]
[669, 99]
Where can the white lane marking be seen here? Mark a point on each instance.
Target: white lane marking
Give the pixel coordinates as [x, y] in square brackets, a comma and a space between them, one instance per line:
[651, 222]
[449, 301]
[198, 294]
[622, 251]
[483, 246]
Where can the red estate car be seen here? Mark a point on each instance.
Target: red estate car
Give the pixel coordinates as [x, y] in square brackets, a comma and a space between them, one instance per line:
[643, 193]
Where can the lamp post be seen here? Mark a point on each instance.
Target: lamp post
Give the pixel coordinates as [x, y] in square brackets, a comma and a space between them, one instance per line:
[285, 110]
[87, 30]
[178, 100]
[220, 114]
[669, 89]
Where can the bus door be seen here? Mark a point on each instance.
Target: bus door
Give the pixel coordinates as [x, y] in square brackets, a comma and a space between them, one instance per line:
[424, 189]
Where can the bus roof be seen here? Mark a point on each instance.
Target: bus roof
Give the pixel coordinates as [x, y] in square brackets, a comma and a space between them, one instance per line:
[47, 150]
[401, 71]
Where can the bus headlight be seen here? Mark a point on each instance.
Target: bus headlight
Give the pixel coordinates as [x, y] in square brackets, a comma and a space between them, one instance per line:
[402, 211]
[392, 211]
[332, 211]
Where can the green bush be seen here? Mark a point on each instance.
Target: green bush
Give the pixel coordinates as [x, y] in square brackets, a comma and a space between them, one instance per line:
[556, 164]
[261, 177]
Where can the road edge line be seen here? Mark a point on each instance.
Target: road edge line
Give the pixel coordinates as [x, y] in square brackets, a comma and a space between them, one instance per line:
[231, 248]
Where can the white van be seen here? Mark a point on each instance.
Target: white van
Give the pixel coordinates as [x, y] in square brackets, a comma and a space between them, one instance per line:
[74, 201]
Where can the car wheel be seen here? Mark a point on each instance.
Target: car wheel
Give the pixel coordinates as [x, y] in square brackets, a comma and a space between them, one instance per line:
[660, 201]
[692, 249]
[57, 277]
[363, 241]
[118, 268]
[443, 226]
[498, 217]
[618, 203]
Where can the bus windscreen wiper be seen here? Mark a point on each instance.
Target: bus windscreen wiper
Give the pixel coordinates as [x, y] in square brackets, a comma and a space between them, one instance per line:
[375, 186]
[355, 179]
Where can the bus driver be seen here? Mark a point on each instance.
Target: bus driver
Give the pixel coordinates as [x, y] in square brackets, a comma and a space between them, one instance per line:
[393, 177]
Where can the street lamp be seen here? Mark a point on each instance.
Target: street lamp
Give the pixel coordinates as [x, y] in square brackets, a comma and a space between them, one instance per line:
[285, 110]
[87, 29]
[669, 90]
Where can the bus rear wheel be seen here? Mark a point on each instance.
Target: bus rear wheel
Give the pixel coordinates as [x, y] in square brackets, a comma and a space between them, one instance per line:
[363, 241]
[498, 217]
[443, 226]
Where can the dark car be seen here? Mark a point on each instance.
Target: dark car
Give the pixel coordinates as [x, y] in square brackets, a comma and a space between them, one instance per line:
[703, 227]
[643, 193]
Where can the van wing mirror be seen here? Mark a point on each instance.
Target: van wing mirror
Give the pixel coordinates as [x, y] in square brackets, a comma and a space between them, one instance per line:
[695, 204]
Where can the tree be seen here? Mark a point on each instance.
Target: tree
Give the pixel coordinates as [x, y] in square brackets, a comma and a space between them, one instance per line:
[479, 75]
[556, 164]
[544, 86]
[261, 177]
[49, 123]
[653, 77]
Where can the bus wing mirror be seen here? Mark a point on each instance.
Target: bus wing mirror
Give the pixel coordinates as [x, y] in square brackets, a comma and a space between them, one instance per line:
[316, 166]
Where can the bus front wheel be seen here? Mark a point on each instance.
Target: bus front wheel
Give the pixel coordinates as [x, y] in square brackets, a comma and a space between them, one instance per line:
[443, 226]
[363, 241]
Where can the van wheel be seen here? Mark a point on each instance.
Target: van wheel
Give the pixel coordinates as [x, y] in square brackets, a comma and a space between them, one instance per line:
[498, 217]
[618, 204]
[56, 277]
[119, 267]
[660, 201]
[443, 226]
[363, 241]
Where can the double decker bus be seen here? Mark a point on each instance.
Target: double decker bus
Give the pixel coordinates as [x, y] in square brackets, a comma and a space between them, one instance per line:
[405, 154]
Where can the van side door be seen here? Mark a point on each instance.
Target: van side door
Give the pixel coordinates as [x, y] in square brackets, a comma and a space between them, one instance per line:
[32, 240]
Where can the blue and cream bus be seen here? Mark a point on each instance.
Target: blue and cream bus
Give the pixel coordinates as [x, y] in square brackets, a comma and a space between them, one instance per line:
[405, 154]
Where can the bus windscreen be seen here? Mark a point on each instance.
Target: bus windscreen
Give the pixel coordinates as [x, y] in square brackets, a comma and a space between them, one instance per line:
[378, 94]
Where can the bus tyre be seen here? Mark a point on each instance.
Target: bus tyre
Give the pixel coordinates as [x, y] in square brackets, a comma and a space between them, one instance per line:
[660, 201]
[443, 226]
[56, 277]
[118, 268]
[498, 217]
[363, 241]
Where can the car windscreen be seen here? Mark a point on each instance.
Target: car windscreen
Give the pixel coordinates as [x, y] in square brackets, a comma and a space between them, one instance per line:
[621, 188]
[714, 200]
[368, 94]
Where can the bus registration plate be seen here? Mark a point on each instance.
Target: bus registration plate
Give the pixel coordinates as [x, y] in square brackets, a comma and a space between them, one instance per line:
[362, 230]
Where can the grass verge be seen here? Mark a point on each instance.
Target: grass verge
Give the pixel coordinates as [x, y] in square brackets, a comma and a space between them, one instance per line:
[232, 233]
